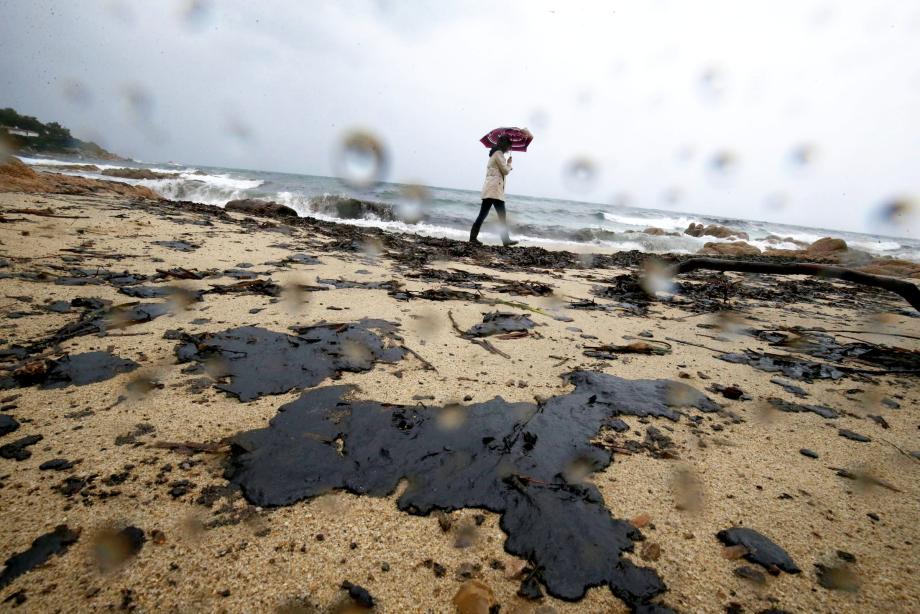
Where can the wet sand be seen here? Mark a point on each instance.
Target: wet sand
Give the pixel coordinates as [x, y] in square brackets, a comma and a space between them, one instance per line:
[210, 549]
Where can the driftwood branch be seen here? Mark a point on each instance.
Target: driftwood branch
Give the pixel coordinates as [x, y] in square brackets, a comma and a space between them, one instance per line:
[910, 292]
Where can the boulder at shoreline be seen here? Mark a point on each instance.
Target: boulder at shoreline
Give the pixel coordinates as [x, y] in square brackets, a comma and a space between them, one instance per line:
[254, 206]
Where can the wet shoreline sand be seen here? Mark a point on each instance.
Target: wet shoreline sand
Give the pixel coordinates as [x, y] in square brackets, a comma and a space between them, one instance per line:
[207, 548]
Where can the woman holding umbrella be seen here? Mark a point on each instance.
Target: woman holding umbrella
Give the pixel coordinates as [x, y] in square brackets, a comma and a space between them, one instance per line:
[500, 141]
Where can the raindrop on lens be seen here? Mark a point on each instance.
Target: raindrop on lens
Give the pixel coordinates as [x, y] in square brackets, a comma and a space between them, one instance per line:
[803, 155]
[76, 93]
[899, 216]
[580, 174]
[361, 160]
[672, 196]
[712, 84]
[410, 208]
[138, 101]
[194, 13]
[539, 119]
[776, 201]
[656, 280]
[724, 162]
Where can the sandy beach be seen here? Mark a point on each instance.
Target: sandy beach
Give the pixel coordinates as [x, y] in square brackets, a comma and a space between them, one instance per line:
[156, 445]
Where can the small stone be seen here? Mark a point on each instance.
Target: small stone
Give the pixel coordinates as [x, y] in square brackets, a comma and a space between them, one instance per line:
[641, 520]
[474, 597]
[8, 424]
[56, 464]
[853, 436]
[359, 594]
[650, 551]
[808, 453]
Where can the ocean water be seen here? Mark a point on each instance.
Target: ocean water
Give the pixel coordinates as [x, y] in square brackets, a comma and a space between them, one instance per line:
[444, 212]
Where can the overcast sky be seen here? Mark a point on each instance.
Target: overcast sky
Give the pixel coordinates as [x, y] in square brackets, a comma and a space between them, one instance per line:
[795, 111]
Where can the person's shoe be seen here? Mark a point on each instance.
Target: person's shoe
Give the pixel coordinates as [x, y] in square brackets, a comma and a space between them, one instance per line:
[475, 241]
[509, 243]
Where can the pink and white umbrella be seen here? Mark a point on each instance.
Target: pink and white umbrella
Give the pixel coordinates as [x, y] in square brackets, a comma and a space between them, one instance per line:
[520, 138]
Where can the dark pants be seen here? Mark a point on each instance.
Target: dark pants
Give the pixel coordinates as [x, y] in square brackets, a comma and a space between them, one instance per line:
[488, 203]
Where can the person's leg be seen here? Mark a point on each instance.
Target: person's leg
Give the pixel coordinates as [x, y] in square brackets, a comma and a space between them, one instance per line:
[500, 210]
[483, 212]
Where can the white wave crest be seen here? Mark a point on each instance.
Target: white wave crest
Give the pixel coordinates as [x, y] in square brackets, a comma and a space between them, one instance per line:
[667, 223]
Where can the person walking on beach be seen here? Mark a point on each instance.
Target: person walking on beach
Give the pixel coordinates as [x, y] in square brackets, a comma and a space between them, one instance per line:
[493, 191]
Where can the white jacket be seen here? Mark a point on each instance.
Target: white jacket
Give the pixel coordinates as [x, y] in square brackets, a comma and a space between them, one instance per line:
[494, 186]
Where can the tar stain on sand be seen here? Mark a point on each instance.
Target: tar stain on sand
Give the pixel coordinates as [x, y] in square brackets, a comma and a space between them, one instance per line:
[253, 362]
[85, 368]
[509, 458]
[497, 323]
[760, 549]
[42, 549]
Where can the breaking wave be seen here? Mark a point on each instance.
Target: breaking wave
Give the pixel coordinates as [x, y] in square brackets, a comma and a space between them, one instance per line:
[449, 213]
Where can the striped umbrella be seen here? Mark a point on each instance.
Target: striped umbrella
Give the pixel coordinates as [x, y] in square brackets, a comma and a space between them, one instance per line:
[520, 138]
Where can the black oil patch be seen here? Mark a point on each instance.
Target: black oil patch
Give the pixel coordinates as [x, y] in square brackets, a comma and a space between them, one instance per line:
[497, 323]
[826, 347]
[147, 291]
[509, 458]
[760, 549]
[8, 424]
[255, 361]
[347, 284]
[179, 246]
[786, 406]
[18, 450]
[85, 368]
[55, 542]
[113, 318]
[790, 366]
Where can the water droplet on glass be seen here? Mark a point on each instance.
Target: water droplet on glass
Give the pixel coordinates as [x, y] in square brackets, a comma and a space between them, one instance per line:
[195, 13]
[672, 196]
[238, 129]
[578, 470]
[371, 249]
[580, 174]
[539, 119]
[138, 101]
[684, 154]
[724, 162]
[361, 160]
[76, 93]
[452, 417]
[121, 11]
[414, 197]
[803, 155]
[586, 260]
[777, 201]
[898, 216]
[656, 279]
[712, 84]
